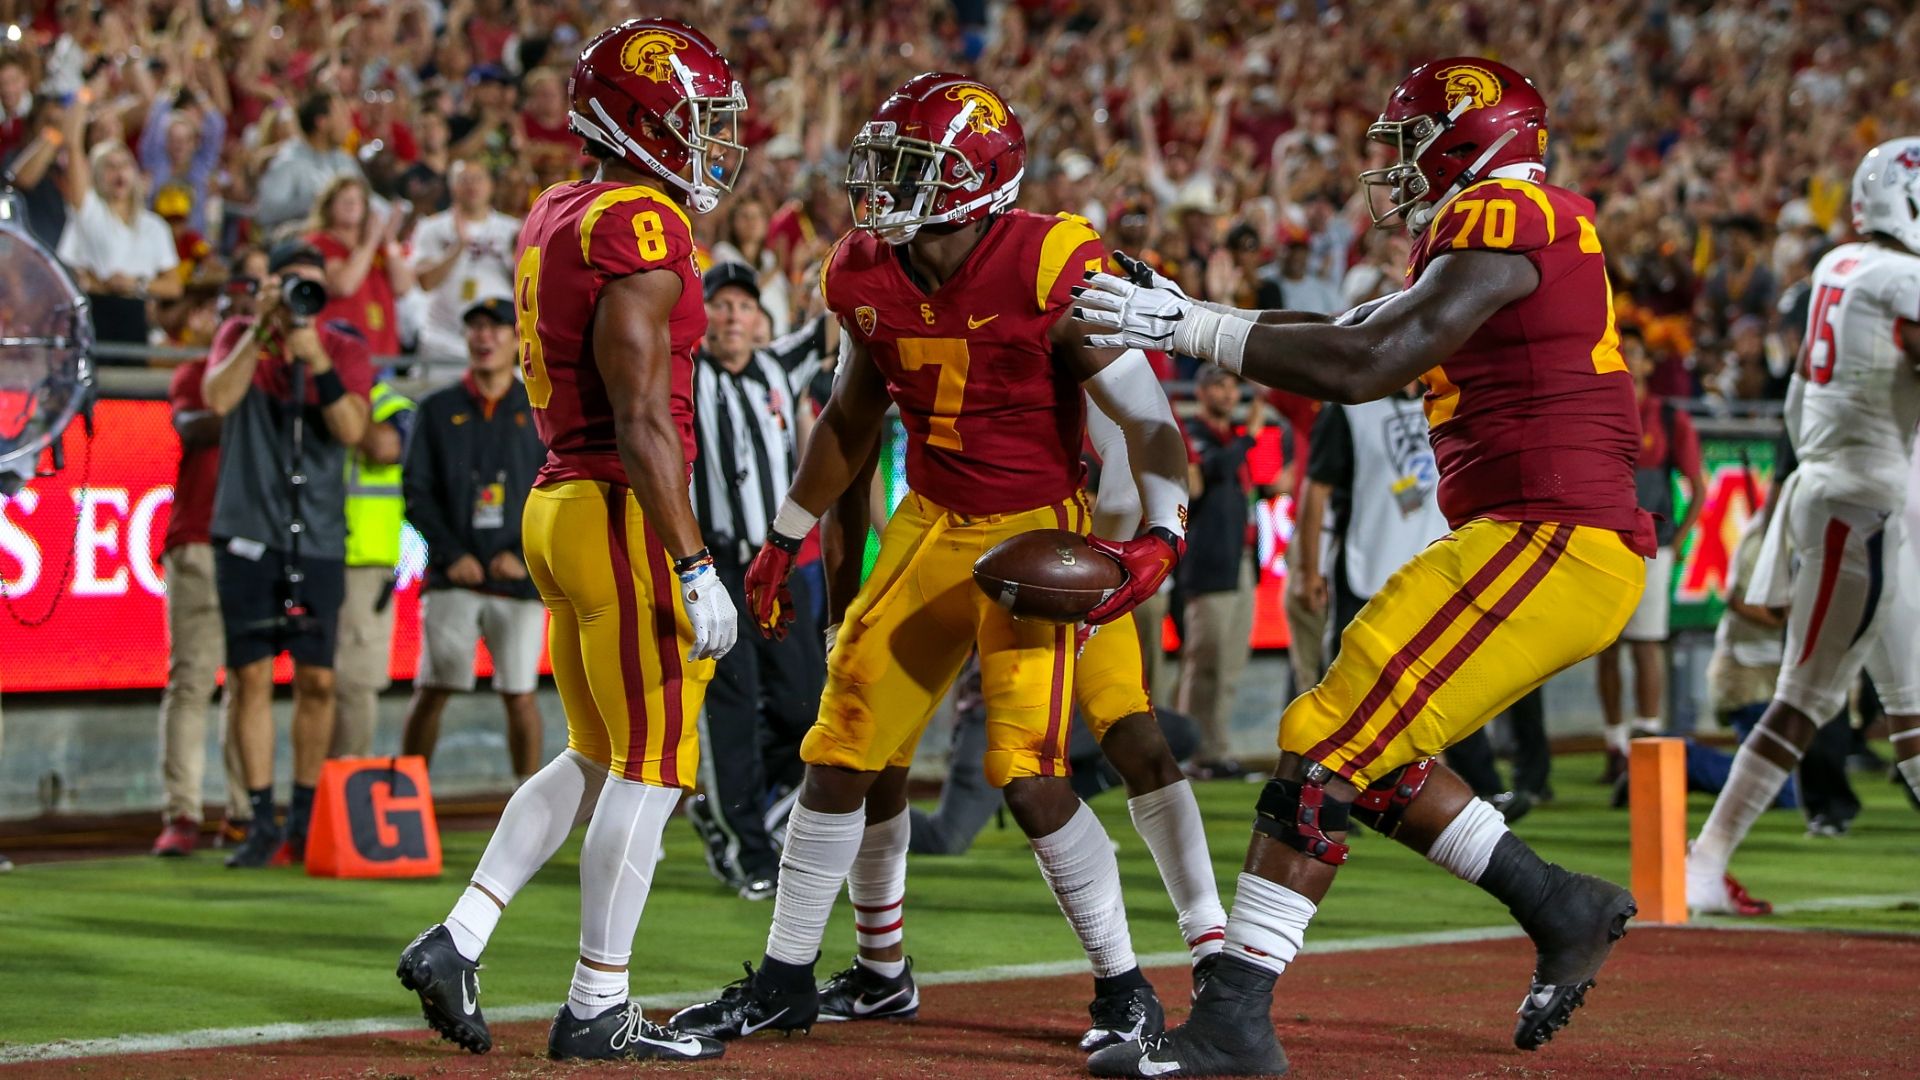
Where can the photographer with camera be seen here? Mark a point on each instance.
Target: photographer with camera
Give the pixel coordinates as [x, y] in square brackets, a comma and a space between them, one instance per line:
[294, 396]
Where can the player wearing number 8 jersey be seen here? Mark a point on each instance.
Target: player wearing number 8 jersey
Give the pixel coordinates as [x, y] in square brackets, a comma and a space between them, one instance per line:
[955, 308]
[1508, 320]
[1832, 554]
[609, 309]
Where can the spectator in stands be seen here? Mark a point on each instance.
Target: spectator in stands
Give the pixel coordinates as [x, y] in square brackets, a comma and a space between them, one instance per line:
[424, 183]
[1742, 283]
[765, 693]
[367, 269]
[487, 127]
[308, 164]
[544, 135]
[1216, 578]
[194, 633]
[250, 372]
[122, 252]
[1296, 287]
[180, 145]
[470, 464]
[1669, 449]
[743, 240]
[460, 256]
[39, 163]
[375, 512]
[16, 102]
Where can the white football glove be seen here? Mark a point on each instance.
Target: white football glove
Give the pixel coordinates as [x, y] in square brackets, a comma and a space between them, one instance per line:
[1138, 272]
[832, 635]
[716, 625]
[1141, 318]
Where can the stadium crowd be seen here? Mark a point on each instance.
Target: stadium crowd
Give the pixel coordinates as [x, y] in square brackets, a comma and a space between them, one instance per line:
[1220, 139]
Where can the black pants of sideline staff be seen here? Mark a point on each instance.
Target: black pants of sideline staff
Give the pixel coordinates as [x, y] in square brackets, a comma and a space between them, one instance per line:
[764, 696]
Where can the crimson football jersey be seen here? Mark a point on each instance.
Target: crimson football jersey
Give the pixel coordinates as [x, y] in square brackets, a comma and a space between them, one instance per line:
[579, 237]
[1534, 417]
[993, 424]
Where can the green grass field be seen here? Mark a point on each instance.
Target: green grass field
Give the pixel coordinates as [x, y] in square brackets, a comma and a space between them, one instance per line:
[138, 945]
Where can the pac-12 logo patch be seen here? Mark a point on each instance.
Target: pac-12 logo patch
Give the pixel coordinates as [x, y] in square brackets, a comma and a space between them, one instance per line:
[1467, 81]
[866, 318]
[649, 54]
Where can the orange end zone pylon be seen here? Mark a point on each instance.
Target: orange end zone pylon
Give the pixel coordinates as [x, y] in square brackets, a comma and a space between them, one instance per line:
[1657, 793]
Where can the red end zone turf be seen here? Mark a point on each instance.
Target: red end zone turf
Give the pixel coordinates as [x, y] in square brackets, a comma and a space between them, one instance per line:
[1672, 1002]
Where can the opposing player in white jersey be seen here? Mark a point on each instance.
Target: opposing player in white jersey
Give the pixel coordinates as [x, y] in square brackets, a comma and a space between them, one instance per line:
[1833, 550]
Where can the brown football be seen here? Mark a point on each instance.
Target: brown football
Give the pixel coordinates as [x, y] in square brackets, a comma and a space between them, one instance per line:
[1048, 575]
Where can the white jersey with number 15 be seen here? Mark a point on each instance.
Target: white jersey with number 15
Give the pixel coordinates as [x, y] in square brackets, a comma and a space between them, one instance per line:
[1855, 397]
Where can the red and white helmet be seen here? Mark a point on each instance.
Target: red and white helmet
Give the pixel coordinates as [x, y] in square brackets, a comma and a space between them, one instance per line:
[941, 150]
[1886, 192]
[1453, 123]
[661, 97]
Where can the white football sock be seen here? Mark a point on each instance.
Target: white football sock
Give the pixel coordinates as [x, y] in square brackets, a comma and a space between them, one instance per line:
[1618, 738]
[820, 852]
[1077, 861]
[1910, 768]
[1752, 785]
[1169, 821]
[888, 969]
[1465, 846]
[877, 883]
[594, 991]
[1644, 726]
[616, 865]
[535, 823]
[1268, 923]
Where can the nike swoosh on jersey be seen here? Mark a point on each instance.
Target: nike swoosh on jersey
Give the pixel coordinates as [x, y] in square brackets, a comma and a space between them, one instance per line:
[973, 325]
[748, 1029]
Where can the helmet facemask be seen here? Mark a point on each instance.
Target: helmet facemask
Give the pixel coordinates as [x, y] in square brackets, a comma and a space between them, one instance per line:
[894, 181]
[1406, 184]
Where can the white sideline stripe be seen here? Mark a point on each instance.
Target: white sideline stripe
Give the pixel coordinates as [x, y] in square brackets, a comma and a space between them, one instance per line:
[216, 1038]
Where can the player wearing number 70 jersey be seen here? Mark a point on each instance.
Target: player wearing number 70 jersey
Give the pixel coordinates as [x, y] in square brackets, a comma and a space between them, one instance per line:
[1508, 319]
[1832, 554]
[609, 307]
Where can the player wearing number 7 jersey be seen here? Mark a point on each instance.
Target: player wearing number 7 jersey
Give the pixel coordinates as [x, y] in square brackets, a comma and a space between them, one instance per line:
[1832, 554]
[1508, 320]
[955, 307]
[610, 308]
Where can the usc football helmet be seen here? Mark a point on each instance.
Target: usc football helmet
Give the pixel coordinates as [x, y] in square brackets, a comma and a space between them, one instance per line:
[1452, 123]
[662, 98]
[941, 150]
[1886, 192]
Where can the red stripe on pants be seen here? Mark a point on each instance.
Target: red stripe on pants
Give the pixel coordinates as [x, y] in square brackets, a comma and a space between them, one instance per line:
[666, 638]
[1836, 547]
[1463, 649]
[1397, 664]
[631, 678]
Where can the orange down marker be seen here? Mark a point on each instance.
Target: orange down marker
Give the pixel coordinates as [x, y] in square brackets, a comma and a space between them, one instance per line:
[1657, 793]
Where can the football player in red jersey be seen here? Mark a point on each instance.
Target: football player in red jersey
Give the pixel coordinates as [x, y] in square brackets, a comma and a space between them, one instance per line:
[954, 306]
[1508, 319]
[609, 310]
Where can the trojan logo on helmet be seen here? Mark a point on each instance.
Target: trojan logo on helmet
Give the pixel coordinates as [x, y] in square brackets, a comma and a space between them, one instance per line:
[1466, 82]
[988, 114]
[650, 54]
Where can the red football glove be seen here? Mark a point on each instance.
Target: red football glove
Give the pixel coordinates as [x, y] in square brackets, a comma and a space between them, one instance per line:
[767, 592]
[1148, 560]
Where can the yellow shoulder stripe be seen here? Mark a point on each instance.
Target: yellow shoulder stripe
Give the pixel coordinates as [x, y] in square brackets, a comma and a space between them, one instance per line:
[610, 199]
[1062, 240]
[1589, 236]
[827, 262]
[1531, 191]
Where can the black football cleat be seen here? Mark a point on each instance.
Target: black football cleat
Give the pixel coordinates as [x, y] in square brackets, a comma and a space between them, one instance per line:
[261, 846]
[1573, 932]
[1202, 971]
[860, 993]
[449, 988]
[623, 1034]
[1229, 1034]
[748, 1006]
[1123, 1016]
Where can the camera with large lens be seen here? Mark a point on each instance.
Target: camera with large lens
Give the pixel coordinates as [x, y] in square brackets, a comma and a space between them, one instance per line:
[304, 297]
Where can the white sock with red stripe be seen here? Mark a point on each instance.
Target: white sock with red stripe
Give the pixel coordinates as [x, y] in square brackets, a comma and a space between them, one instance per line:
[1752, 785]
[1268, 923]
[1169, 821]
[877, 885]
[820, 852]
[1077, 861]
[535, 823]
[616, 873]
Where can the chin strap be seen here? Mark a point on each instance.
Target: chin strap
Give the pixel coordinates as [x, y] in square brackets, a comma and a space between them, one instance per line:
[1418, 219]
[701, 197]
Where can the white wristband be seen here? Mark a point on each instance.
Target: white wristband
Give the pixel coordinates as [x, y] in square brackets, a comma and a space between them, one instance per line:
[793, 521]
[1213, 336]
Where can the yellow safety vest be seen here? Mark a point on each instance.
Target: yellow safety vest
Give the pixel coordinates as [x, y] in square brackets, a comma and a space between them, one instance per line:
[375, 507]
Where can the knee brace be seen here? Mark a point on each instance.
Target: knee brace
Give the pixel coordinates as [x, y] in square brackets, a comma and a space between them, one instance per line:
[1383, 806]
[1300, 814]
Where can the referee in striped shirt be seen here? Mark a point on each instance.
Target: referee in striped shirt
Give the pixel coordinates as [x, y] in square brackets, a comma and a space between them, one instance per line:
[751, 415]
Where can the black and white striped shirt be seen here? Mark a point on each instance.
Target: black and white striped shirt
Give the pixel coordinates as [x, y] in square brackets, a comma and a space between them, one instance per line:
[745, 427]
